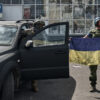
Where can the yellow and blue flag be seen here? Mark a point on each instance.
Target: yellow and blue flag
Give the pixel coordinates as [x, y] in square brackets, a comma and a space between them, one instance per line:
[85, 51]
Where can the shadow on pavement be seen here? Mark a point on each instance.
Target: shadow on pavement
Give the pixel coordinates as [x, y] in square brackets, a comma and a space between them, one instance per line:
[51, 89]
[97, 98]
[98, 91]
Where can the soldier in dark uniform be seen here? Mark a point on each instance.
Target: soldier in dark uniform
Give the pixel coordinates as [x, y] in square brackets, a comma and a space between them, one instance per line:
[94, 33]
[37, 26]
[28, 32]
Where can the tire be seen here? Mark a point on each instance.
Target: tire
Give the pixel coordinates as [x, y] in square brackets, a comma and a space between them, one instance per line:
[8, 88]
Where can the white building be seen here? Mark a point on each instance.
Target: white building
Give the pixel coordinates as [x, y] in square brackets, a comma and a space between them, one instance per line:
[79, 13]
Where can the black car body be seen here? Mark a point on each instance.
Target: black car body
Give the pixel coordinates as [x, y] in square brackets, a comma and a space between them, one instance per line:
[46, 57]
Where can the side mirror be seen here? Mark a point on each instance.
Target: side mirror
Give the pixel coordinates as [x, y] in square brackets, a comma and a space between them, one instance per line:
[29, 43]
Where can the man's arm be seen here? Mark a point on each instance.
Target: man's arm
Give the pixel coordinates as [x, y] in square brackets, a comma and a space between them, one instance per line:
[86, 36]
[89, 35]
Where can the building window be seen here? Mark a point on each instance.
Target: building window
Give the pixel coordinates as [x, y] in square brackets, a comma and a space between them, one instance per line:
[1, 1]
[54, 1]
[29, 1]
[78, 12]
[79, 1]
[91, 11]
[5, 1]
[39, 2]
[27, 12]
[34, 10]
[16, 1]
[66, 1]
[10, 1]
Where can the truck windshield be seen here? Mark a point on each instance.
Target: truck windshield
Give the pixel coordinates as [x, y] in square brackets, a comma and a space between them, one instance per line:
[7, 34]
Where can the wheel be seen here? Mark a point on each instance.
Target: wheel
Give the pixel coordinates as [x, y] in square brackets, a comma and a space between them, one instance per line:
[8, 88]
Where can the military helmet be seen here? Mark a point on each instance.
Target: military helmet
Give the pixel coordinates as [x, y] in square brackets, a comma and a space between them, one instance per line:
[96, 21]
[38, 23]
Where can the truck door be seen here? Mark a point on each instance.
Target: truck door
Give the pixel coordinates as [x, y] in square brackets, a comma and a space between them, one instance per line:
[49, 56]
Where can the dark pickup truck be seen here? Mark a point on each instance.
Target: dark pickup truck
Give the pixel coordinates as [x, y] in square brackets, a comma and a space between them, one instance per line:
[33, 56]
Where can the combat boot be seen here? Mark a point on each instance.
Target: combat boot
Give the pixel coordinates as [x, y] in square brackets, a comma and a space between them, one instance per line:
[93, 89]
[34, 86]
[35, 89]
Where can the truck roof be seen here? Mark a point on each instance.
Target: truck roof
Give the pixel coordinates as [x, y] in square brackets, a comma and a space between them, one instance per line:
[8, 23]
[16, 23]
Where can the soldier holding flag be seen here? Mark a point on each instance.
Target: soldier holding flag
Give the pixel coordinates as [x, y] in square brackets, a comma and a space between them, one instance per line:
[94, 33]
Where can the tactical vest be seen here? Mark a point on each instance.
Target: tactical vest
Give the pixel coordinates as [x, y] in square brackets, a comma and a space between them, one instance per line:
[95, 33]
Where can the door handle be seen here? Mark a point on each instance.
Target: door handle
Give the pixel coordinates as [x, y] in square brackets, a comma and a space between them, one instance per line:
[61, 52]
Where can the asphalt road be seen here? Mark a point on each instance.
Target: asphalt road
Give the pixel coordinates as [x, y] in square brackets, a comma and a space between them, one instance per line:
[76, 87]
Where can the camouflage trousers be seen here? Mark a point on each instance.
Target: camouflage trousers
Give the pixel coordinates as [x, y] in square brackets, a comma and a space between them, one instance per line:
[93, 75]
[34, 85]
